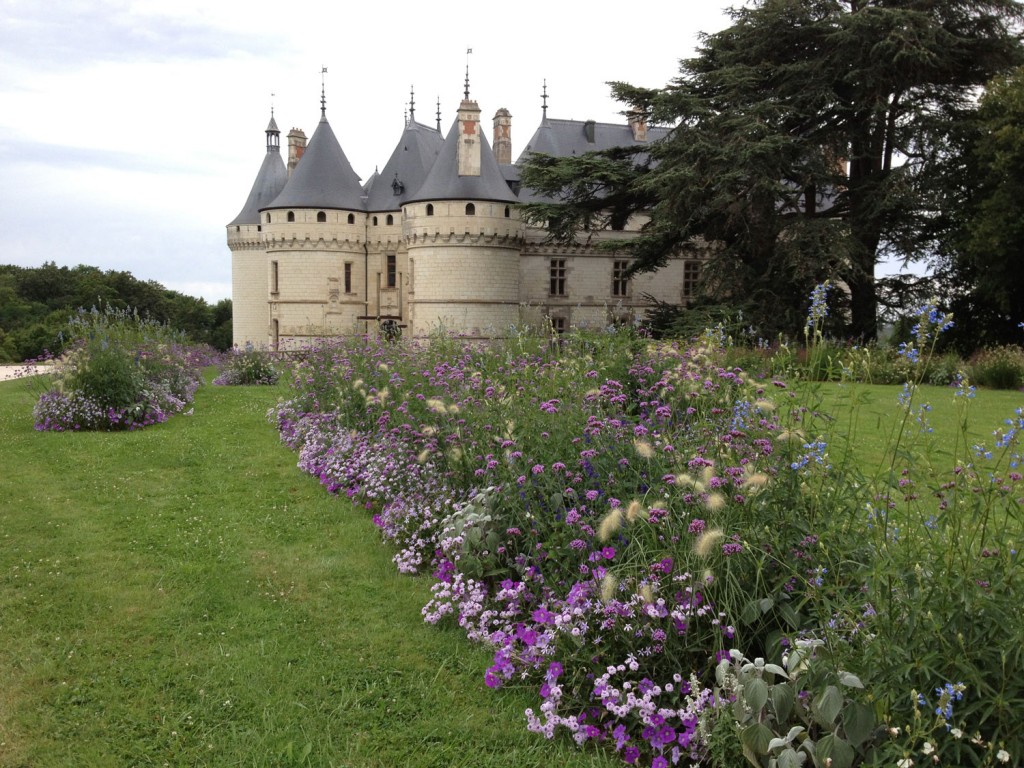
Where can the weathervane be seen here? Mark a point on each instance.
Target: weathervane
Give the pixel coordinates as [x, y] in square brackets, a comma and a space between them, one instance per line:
[468, 51]
[544, 99]
[412, 105]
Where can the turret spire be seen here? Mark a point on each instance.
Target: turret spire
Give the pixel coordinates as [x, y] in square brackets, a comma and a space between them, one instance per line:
[412, 105]
[439, 113]
[323, 94]
[544, 101]
[468, 51]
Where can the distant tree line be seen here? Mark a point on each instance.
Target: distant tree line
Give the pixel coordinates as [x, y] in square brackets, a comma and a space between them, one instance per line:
[37, 302]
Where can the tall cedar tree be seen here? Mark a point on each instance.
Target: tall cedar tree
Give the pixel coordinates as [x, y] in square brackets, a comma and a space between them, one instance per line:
[799, 139]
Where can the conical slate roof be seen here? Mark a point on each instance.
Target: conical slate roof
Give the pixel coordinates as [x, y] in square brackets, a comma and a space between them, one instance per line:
[407, 169]
[444, 182]
[323, 178]
[269, 182]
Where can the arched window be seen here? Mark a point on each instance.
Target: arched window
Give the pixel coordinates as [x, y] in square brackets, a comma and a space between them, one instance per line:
[375, 221]
[321, 217]
[430, 209]
[508, 211]
[391, 219]
[291, 215]
[470, 209]
[268, 218]
[351, 218]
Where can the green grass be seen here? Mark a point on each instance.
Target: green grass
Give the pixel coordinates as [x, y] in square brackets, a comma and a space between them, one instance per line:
[185, 596]
[866, 418]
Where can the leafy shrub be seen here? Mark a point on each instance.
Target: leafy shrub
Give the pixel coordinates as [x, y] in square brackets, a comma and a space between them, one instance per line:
[120, 372]
[998, 367]
[248, 367]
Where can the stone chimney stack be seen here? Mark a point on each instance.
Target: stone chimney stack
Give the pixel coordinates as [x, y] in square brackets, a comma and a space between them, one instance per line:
[296, 148]
[502, 144]
[469, 138]
[639, 126]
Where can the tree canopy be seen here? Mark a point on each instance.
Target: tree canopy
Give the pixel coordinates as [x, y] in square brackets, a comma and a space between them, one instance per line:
[36, 303]
[802, 141]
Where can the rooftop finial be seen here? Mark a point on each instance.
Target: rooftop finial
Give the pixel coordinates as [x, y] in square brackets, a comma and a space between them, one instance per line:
[544, 100]
[323, 93]
[439, 114]
[468, 51]
[412, 105]
[272, 105]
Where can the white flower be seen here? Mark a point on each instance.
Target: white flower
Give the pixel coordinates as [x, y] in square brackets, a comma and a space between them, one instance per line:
[927, 748]
[906, 762]
[1003, 756]
[956, 733]
[894, 731]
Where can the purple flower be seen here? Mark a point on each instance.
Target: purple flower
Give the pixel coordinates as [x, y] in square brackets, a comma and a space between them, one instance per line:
[608, 553]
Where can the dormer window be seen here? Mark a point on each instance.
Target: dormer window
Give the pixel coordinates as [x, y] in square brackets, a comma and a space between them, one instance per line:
[396, 186]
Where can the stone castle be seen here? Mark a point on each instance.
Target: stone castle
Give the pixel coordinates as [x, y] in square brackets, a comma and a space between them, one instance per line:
[434, 240]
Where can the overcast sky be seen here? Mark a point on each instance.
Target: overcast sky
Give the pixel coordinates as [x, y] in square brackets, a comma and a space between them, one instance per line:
[132, 130]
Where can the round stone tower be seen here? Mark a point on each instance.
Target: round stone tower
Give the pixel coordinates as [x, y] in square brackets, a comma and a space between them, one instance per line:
[250, 310]
[463, 235]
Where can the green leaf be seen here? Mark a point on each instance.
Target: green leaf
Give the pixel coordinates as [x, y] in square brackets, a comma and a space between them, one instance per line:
[850, 680]
[766, 604]
[755, 693]
[789, 615]
[858, 722]
[782, 701]
[827, 705]
[790, 758]
[756, 738]
[831, 746]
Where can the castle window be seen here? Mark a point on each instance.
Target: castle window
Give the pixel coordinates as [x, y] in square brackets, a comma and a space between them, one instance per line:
[391, 219]
[321, 217]
[392, 271]
[620, 283]
[273, 277]
[558, 277]
[558, 325]
[508, 211]
[291, 215]
[348, 277]
[375, 221]
[470, 209]
[351, 218]
[275, 334]
[268, 218]
[430, 209]
[691, 276]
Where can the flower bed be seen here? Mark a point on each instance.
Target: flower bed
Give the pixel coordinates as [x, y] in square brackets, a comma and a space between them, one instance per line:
[629, 525]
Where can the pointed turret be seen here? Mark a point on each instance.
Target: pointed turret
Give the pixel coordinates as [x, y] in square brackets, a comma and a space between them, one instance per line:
[414, 155]
[323, 177]
[270, 179]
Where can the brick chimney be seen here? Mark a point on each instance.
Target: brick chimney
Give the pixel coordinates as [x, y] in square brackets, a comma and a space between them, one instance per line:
[469, 138]
[638, 125]
[296, 147]
[502, 144]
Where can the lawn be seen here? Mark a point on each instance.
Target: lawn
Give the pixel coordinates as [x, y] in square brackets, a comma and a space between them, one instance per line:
[183, 595]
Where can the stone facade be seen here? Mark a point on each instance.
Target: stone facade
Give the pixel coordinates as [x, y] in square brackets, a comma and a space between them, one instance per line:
[435, 241]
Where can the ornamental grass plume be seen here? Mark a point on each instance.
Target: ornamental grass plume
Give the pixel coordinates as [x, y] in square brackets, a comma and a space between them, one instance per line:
[715, 502]
[608, 586]
[609, 524]
[635, 510]
[423, 456]
[436, 406]
[706, 542]
[644, 449]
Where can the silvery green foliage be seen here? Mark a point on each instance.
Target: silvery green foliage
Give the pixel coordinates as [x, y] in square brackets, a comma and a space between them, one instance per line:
[799, 713]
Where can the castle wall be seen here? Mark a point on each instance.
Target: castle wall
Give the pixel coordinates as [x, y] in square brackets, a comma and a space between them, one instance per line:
[250, 311]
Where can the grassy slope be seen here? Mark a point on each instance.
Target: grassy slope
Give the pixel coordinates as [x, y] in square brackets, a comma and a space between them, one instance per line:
[184, 596]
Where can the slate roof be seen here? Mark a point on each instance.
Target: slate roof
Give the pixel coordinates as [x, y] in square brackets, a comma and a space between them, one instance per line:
[444, 182]
[323, 177]
[565, 138]
[410, 163]
[269, 182]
